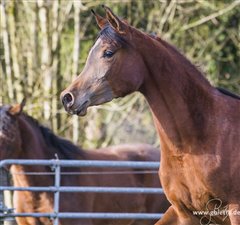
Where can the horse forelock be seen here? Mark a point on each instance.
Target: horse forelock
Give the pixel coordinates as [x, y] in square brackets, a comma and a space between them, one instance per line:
[109, 35]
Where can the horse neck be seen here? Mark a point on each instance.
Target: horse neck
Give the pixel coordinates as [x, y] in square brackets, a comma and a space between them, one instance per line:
[32, 147]
[179, 96]
[33, 144]
[39, 142]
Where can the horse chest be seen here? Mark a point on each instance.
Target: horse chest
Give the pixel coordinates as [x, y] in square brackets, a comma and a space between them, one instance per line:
[188, 183]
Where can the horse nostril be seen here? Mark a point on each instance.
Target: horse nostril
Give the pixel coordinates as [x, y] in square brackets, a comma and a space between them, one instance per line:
[68, 99]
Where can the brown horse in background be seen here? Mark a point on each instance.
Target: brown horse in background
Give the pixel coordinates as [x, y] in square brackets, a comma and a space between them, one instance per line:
[22, 137]
[198, 125]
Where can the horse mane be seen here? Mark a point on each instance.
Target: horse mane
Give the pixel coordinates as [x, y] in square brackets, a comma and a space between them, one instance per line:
[66, 148]
[228, 93]
[108, 34]
[177, 52]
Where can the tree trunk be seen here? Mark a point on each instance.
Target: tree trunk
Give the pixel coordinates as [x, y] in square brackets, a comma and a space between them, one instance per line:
[33, 64]
[56, 66]
[2, 86]
[7, 50]
[18, 86]
[46, 57]
[75, 64]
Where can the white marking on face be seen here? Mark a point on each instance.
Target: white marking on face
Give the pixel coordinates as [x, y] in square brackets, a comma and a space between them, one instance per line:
[97, 43]
[98, 69]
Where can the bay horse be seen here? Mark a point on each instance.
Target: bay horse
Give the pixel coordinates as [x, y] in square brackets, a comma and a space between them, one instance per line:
[22, 137]
[198, 125]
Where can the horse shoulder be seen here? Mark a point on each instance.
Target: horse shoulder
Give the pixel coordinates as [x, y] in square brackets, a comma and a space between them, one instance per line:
[192, 184]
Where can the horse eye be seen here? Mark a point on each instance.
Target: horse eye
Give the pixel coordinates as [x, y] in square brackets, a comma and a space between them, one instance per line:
[108, 54]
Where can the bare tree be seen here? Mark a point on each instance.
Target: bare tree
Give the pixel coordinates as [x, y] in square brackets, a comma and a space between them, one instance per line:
[56, 82]
[46, 57]
[7, 50]
[18, 88]
[33, 64]
[75, 64]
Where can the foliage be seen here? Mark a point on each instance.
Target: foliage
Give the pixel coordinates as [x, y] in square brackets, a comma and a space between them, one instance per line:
[37, 48]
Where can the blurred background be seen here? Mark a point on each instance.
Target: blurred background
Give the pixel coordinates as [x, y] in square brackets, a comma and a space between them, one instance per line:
[44, 45]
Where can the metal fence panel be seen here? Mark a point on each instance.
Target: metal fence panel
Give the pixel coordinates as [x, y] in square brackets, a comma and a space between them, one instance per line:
[57, 189]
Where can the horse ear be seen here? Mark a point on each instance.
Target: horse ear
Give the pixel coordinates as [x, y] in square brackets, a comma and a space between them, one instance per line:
[17, 108]
[118, 25]
[99, 19]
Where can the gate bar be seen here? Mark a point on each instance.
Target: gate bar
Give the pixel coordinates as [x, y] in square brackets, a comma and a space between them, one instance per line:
[88, 189]
[83, 163]
[87, 215]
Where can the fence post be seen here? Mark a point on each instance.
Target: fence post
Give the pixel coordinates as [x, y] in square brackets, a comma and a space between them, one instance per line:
[57, 169]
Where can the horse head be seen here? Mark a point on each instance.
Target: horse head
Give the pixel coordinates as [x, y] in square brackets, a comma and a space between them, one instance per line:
[10, 136]
[110, 70]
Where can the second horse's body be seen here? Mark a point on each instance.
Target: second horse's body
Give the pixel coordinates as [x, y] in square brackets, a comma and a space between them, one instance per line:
[22, 137]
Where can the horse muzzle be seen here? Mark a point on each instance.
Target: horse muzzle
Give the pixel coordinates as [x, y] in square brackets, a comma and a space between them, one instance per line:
[73, 105]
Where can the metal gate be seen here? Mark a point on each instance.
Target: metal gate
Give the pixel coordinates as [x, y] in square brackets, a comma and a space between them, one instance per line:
[56, 165]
